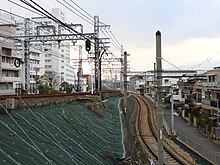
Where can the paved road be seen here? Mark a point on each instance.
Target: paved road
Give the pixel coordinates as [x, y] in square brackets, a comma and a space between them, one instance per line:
[193, 134]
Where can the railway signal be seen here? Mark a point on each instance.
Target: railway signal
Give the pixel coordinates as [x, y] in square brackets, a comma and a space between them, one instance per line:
[88, 45]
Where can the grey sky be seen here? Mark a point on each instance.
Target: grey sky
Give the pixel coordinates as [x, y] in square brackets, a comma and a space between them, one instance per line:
[190, 29]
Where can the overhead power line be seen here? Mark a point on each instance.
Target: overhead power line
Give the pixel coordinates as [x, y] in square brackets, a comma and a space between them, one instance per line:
[113, 43]
[171, 64]
[25, 8]
[81, 8]
[76, 13]
[12, 13]
[115, 37]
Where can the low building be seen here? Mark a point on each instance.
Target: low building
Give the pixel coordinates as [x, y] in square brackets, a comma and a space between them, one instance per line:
[137, 83]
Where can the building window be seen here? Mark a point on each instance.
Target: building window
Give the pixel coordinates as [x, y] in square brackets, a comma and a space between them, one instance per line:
[6, 51]
[166, 80]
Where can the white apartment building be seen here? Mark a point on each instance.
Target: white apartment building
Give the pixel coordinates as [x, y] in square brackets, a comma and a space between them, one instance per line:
[10, 75]
[51, 56]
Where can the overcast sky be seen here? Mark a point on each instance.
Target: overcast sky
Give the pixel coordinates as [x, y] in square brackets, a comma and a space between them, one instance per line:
[190, 29]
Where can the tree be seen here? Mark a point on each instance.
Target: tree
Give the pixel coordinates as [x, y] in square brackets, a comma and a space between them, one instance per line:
[50, 78]
[65, 86]
[43, 89]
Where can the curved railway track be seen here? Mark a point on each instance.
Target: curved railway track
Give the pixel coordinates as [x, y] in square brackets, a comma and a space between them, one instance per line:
[146, 130]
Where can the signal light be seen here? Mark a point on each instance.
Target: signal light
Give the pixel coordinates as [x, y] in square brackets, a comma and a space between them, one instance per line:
[88, 45]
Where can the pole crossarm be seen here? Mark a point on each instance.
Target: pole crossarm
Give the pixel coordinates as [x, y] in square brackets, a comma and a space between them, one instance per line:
[111, 60]
[45, 38]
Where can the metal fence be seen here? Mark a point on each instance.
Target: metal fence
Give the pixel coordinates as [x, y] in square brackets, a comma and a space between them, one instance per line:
[213, 157]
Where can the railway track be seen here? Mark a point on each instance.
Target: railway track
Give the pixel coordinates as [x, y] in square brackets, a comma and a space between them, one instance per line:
[146, 130]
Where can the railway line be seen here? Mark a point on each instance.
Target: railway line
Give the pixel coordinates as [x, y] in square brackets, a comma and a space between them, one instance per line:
[146, 131]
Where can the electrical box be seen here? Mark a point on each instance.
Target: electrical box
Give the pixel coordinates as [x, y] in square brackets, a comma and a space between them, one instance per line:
[10, 103]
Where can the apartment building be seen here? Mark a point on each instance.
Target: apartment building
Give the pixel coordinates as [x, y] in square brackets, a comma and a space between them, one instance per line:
[52, 56]
[211, 90]
[10, 66]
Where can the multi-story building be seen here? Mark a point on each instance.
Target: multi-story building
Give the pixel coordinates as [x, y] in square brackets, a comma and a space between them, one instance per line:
[10, 80]
[52, 56]
[211, 90]
[137, 83]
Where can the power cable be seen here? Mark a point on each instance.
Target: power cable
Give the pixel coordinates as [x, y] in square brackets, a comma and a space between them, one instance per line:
[77, 11]
[5, 21]
[113, 43]
[171, 64]
[12, 13]
[114, 37]
[81, 8]
[25, 7]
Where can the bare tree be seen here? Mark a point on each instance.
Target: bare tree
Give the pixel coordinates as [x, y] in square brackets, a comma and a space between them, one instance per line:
[51, 78]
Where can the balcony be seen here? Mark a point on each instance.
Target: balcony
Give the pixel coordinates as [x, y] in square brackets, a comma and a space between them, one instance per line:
[206, 101]
[210, 84]
[211, 103]
[9, 66]
[11, 79]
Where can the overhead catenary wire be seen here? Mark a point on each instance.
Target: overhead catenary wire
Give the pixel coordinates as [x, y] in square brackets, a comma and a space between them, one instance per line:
[114, 37]
[25, 7]
[113, 43]
[50, 16]
[89, 20]
[12, 13]
[81, 8]
[171, 64]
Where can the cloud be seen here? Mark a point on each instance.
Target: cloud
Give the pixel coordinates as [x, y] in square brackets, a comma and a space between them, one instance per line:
[194, 53]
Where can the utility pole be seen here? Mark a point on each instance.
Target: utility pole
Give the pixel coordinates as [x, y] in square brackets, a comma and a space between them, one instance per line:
[159, 98]
[79, 73]
[26, 45]
[155, 92]
[91, 76]
[125, 82]
[218, 120]
[121, 75]
[172, 115]
[96, 48]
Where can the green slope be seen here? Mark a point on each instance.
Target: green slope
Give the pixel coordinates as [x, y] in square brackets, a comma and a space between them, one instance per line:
[61, 134]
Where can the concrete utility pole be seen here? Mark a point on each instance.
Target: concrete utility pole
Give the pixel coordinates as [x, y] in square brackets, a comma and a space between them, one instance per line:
[121, 75]
[80, 71]
[172, 115]
[96, 48]
[155, 92]
[218, 120]
[159, 98]
[26, 45]
[125, 82]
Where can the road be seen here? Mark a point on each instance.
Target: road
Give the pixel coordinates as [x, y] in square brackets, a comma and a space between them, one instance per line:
[210, 149]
